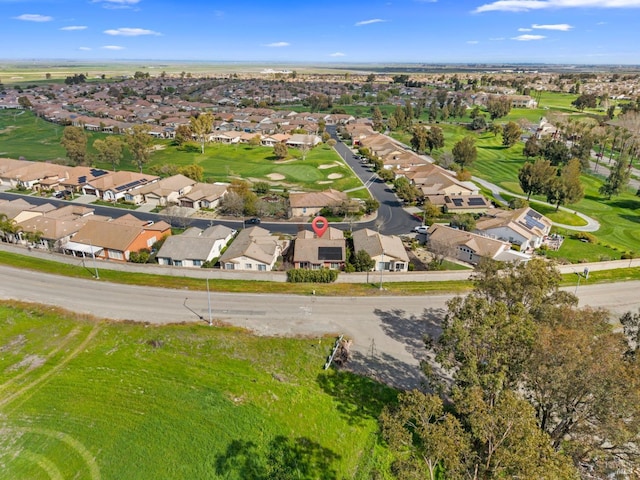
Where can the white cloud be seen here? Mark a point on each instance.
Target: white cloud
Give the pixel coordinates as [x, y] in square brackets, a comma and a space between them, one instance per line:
[337, 54]
[130, 32]
[33, 17]
[369, 22]
[524, 29]
[85, 49]
[277, 44]
[528, 38]
[113, 47]
[71, 28]
[562, 27]
[473, 42]
[117, 3]
[527, 5]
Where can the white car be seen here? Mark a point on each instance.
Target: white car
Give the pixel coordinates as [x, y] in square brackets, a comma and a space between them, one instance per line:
[422, 229]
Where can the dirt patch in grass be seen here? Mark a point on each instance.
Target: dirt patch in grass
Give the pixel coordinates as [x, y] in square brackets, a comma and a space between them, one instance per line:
[9, 129]
[333, 176]
[324, 166]
[30, 362]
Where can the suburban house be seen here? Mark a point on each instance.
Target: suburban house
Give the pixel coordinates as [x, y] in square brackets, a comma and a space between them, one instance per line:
[164, 192]
[56, 227]
[313, 252]
[524, 227]
[469, 247]
[115, 239]
[195, 246]
[20, 210]
[203, 195]
[303, 204]
[441, 183]
[79, 176]
[298, 140]
[475, 204]
[29, 174]
[388, 252]
[254, 249]
[522, 101]
[114, 186]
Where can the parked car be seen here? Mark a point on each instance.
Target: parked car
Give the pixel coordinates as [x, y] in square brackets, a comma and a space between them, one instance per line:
[253, 221]
[422, 229]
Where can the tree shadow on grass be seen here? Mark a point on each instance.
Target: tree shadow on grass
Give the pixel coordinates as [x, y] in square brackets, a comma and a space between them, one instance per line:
[359, 398]
[627, 204]
[283, 458]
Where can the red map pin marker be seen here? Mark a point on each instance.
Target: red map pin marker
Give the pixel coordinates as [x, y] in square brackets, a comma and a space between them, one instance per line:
[320, 229]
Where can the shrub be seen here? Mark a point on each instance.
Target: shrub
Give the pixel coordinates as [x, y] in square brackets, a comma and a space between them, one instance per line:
[584, 236]
[302, 275]
[517, 203]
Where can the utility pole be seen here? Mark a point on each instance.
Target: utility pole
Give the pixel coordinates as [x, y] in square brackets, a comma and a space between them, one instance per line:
[381, 269]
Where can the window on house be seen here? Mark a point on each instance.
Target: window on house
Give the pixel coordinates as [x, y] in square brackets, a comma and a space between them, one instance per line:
[177, 263]
[115, 254]
[248, 266]
[228, 266]
[151, 241]
[197, 263]
[262, 268]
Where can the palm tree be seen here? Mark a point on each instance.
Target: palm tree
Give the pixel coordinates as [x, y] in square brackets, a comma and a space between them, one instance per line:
[10, 229]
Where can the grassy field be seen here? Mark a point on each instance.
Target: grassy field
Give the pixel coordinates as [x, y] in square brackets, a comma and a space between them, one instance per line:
[24, 135]
[87, 399]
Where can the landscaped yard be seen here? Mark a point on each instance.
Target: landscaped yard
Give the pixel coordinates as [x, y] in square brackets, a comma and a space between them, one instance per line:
[87, 399]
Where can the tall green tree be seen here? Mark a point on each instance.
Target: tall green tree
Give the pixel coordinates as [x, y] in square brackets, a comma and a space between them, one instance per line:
[435, 138]
[465, 151]
[426, 440]
[531, 147]
[139, 143]
[376, 117]
[183, 134]
[498, 106]
[280, 150]
[201, 127]
[534, 177]
[511, 134]
[74, 141]
[618, 179]
[109, 150]
[363, 262]
[419, 138]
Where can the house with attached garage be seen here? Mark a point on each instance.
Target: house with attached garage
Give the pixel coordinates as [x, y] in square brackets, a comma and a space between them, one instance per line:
[253, 249]
[387, 251]
[115, 239]
[165, 191]
[195, 246]
[524, 227]
[116, 186]
[308, 204]
[469, 247]
[313, 252]
[204, 195]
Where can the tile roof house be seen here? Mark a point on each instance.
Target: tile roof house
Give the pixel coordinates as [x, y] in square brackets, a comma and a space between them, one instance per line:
[299, 139]
[115, 239]
[469, 247]
[313, 252]
[54, 231]
[163, 192]
[195, 246]
[524, 227]
[254, 249]
[204, 195]
[466, 204]
[114, 186]
[388, 252]
[303, 204]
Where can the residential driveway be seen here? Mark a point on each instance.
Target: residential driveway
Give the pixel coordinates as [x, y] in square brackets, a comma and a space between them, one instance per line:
[85, 199]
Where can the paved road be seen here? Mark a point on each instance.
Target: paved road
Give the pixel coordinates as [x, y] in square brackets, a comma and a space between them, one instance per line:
[387, 331]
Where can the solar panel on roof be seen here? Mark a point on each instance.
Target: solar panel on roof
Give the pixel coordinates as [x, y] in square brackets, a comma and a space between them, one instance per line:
[534, 214]
[457, 202]
[329, 253]
[82, 179]
[476, 202]
[96, 172]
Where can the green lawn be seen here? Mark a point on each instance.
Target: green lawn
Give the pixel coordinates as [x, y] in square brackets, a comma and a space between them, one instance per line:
[89, 399]
[24, 135]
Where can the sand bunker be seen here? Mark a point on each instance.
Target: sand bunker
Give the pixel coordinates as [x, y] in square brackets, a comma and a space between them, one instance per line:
[333, 176]
[324, 166]
[275, 176]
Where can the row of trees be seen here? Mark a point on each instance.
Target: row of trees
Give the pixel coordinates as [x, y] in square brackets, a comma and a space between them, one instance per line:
[561, 184]
[527, 386]
[110, 149]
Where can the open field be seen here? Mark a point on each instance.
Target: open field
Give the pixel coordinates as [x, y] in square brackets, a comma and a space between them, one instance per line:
[24, 135]
[88, 399]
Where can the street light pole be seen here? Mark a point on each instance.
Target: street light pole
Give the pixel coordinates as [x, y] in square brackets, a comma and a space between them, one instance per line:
[381, 269]
[209, 303]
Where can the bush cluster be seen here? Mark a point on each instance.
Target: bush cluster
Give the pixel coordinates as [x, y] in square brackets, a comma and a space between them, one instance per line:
[302, 275]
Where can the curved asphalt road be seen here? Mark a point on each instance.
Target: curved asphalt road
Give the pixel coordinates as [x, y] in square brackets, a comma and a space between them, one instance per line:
[387, 331]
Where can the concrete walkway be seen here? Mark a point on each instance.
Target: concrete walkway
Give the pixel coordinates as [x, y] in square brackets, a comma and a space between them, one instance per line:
[591, 226]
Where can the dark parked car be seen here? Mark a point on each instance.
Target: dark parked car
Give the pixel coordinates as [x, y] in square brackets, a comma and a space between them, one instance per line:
[252, 221]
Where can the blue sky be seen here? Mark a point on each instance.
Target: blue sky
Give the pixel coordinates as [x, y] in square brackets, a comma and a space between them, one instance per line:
[424, 31]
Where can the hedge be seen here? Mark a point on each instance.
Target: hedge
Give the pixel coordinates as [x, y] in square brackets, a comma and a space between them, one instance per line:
[303, 275]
